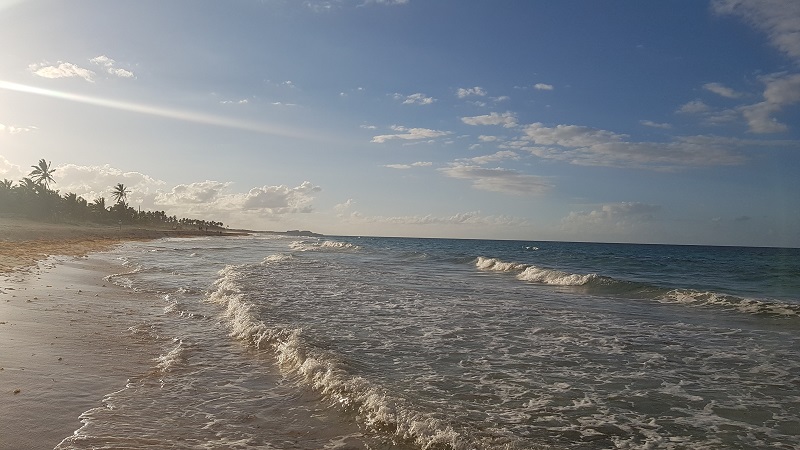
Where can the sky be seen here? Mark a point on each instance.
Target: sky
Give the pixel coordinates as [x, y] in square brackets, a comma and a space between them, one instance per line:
[620, 121]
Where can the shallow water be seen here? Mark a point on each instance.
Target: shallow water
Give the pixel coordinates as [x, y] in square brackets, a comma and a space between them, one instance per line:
[274, 342]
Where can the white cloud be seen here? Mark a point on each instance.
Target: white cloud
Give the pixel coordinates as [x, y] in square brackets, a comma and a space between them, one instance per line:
[781, 90]
[694, 107]
[122, 73]
[409, 134]
[507, 119]
[499, 180]
[212, 199]
[68, 70]
[102, 60]
[650, 123]
[499, 156]
[569, 135]
[409, 166]
[779, 19]
[543, 87]
[61, 70]
[459, 219]
[243, 101]
[92, 182]
[415, 99]
[10, 129]
[109, 65]
[328, 5]
[610, 218]
[206, 198]
[204, 192]
[344, 209]
[485, 138]
[722, 90]
[594, 147]
[468, 92]
[11, 171]
[281, 199]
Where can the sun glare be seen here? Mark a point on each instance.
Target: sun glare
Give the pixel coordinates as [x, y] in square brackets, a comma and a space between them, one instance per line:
[158, 111]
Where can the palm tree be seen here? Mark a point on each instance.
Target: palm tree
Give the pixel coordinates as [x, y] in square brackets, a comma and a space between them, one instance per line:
[28, 186]
[99, 204]
[120, 193]
[42, 174]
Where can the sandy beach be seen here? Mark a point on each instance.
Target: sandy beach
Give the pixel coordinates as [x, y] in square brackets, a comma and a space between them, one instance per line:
[23, 242]
[56, 362]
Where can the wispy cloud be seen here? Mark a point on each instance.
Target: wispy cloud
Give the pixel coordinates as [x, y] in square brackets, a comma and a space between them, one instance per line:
[344, 211]
[543, 87]
[494, 157]
[414, 99]
[595, 147]
[720, 89]
[778, 19]
[11, 129]
[693, 107]
[507, 119]
[328, 5]
[781, 90]
[409, 166]
[611, 218]
[650, 123]
[498, 180]
[404, 133]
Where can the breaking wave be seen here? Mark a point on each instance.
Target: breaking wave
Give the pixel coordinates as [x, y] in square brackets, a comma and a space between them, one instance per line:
[596, 284]
[327, 372]
[308, 246]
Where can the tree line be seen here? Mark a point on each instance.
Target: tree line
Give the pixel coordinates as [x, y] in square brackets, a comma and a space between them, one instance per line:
[31, 197]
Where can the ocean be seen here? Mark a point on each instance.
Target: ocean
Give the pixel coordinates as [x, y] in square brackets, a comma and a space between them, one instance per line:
[277, 342]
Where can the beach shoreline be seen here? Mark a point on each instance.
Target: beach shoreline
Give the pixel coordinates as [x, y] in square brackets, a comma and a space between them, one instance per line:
[59, 360]
[23, 242]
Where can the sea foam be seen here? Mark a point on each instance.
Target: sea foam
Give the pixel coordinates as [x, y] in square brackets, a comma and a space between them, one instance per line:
[531, 273]
[325, 372]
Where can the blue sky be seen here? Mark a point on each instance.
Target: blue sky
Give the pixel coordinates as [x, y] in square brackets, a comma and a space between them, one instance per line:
[626, 121]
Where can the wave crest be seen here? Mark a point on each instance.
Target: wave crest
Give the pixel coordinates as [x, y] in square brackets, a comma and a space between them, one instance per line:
[535, 274]
[597, 284]
[745, 305]
[309, 246]
[326, 372]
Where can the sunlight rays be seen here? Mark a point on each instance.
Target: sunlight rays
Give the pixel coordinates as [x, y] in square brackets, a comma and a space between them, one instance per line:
[159, 111]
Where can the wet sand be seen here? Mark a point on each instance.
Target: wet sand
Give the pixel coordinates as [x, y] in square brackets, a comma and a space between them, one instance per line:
[64, 331]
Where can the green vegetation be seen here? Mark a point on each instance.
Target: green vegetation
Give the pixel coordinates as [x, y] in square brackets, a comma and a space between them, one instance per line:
[32, 198]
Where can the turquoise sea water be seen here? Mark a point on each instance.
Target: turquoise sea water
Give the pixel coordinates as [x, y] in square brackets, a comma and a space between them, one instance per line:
[392, 343]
